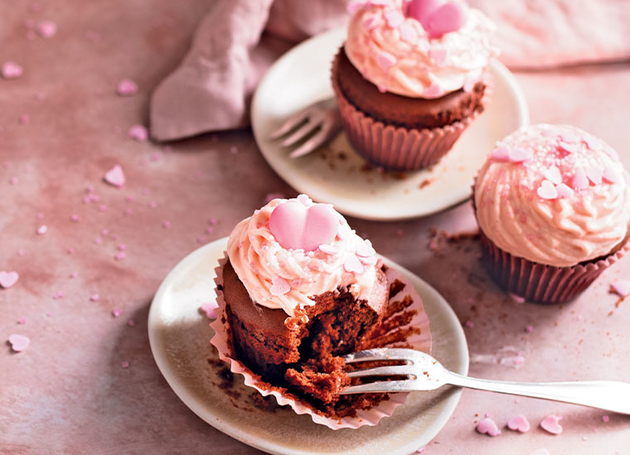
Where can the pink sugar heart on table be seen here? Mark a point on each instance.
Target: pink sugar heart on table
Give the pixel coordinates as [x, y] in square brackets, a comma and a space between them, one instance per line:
[489, 427]
[437, 18]
[8, 279]
[11, 70]
[115, 177]
[126, 87]
[19, 342]
[519, 423]
[551, 424]
[297, 227]
[138, 133]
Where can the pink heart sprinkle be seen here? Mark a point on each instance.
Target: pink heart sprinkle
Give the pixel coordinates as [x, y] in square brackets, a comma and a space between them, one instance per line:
[438, 56]
[447, 18]
[279, 286]
[42, 229]
[489, 427]
[297, 227]
[593, 143]
[564, 191]
[595, 175]
[433, 91]
[304, 200]
[353, 265]
[553, 174]
[621, 287]
[47, 29]
[580, 181]
[567, 147]
[328, 249]
[370, 260]
[394, 18]
[551, 424]
[8, 279]
[11, 70]
[115, 177]
[547, 190]
[385, 60]
[116, 312]
[605, 419]
[126, 87]
[569, 138]
[209, 310]
[421, 10]
[610, 175]
[94, 297]
[519, 423]
[501, 153]
[365, 249]
[19, 342]
[138, 133]
[408, 33]
[518, 155]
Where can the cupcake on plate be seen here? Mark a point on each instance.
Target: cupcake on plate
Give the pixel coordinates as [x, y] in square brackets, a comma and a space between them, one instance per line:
[298, 289]
[553, 207]
[411, 77]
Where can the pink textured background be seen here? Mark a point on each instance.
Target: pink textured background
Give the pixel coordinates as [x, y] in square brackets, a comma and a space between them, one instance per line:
[67, 393]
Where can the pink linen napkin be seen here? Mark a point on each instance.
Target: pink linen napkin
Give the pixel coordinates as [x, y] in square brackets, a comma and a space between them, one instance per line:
[211, 89]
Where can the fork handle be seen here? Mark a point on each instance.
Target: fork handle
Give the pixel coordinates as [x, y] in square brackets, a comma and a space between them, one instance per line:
[609, 395]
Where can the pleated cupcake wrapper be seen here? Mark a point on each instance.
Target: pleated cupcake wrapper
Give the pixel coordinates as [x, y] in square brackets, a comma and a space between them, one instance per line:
[397, 147]
[539, 282]
[370, 417]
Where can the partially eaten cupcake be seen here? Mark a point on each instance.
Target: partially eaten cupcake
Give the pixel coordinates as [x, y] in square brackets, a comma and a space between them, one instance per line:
[301, 289]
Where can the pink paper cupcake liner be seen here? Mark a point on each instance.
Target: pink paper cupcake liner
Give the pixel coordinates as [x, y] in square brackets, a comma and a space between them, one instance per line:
[370, 417]
[539, 282]
[397, 147]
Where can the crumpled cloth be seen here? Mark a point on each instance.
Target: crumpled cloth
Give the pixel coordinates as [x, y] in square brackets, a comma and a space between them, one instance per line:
[239, 39]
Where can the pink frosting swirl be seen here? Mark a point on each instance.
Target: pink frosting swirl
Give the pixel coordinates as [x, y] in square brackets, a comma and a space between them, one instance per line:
[282, 278]
[555, 195]
[395, 53]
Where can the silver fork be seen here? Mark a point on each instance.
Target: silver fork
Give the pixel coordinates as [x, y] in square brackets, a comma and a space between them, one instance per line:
[315, 125]
[426, 373]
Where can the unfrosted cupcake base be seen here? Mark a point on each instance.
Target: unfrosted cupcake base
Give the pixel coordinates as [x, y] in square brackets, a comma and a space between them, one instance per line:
[542, 283]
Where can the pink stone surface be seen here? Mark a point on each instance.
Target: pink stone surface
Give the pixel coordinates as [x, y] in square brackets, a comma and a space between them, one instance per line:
[70, 391]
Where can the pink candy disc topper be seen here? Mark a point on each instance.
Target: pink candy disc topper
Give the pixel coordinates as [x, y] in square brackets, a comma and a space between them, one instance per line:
[437, 17]
[297, 226]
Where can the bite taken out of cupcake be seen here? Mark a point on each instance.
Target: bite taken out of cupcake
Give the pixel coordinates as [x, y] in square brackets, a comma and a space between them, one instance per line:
[553, 207]
[411, 77]
[298, 289]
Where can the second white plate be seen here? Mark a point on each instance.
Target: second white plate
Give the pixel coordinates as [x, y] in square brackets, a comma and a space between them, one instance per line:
[337, 175]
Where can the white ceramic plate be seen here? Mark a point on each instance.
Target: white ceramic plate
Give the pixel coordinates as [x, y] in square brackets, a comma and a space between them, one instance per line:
[302, 76]
[179, 338]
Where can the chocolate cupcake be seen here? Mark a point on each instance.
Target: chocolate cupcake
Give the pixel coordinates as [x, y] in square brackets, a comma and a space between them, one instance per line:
[553, 207]
[407, 87]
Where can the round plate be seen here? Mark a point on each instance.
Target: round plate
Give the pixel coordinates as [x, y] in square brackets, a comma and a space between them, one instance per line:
[337, 175]
[179, 338]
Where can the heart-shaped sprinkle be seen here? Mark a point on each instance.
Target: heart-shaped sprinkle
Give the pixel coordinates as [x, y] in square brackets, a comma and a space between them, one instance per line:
[518, 155]
[519, 423]
[385, 60]
[138, 133]
[621, 287]
[433, 91]
[116, 312]
[595, 175]
[365, 249]
[126, 87]
[305, 200]
[611, 175]
[115, 177]
[421, 10]
[438, 55]
[408, 33]
[551, 424]
[297, 227]
[489, 427]
[8, 279]
[501, 153]
[353, 265]
[328, 249]
[437, 18]
[593, 143]
[547, 190]
[564, 191]
[47, 29]
[553, 174]
[42, 229]
[370, 260]
[580, 181]
[567, 147]
[279, 286]
[11, 70]
[394, 18]
[19, 342]
[569, 138]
